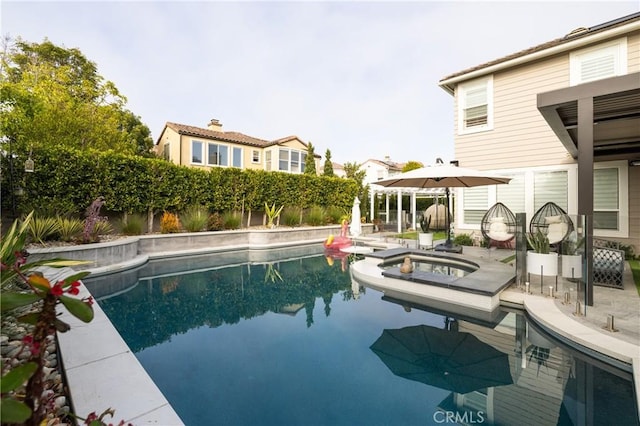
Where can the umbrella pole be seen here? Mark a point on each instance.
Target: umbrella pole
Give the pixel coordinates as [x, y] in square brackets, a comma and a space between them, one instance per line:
[448, 246]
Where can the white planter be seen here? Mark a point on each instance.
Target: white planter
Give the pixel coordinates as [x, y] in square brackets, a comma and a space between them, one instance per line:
[542, 263]
[425, 239]
[571, 265]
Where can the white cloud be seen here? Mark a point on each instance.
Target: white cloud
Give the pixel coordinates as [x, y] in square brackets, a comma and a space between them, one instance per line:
[359, 78]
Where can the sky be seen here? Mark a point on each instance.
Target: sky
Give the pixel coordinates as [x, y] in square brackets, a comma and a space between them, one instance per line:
[358, 78]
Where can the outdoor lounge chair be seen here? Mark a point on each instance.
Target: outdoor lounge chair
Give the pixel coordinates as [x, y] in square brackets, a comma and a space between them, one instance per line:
[552, 221]
[498, 225]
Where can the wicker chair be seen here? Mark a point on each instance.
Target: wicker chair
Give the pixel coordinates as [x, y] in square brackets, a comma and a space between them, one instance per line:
[552, 221]
[498, 225]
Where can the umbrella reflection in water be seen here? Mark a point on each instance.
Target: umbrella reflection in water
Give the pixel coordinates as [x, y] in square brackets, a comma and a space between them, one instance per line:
[450, 360]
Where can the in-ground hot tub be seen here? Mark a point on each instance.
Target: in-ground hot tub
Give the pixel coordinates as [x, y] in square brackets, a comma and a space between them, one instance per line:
[437, 276]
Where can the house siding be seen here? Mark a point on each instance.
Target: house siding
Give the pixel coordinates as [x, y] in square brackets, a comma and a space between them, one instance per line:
[633, 52]
[521, 133]
[521, 138]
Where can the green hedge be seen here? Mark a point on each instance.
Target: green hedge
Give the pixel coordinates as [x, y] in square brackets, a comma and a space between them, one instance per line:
[66, 181]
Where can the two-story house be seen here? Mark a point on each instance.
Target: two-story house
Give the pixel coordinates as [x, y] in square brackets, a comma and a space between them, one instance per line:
[563, 120]
[212, 147]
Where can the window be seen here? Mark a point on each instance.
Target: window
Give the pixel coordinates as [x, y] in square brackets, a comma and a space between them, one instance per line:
[283, 163]
[475, 106]
[255, 156]
[291, 160]
[475, 204]
[550, 186]
[196, 152]
[512, 194]
[595, 63]
[218, 155]
[236, 160]
[606, 199]
[166, 152]
[267, 161]
[295, 162]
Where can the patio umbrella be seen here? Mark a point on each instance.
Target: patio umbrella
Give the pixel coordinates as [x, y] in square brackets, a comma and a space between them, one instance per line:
[450, 360]
[355, 228]
[443, 176]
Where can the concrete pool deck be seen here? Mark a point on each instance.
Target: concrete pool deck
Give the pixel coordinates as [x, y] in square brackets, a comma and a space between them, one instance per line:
[103, 372]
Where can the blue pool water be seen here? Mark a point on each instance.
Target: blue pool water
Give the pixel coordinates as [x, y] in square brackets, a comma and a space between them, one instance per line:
[295, 342]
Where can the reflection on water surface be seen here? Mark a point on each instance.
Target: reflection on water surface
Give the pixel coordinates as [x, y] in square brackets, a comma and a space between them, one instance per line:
[297, 342]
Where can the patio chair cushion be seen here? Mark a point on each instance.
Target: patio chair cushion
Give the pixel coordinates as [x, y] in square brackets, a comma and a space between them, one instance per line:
[557, 232]
[553, 219]
[498, 231]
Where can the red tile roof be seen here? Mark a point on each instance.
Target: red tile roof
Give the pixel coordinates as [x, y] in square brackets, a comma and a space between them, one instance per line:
[234, 137]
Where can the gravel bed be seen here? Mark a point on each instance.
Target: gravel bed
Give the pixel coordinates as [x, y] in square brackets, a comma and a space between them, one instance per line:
[14, 352]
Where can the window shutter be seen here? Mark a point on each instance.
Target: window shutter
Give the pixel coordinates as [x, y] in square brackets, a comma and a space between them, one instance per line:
[597, 68]
[475, 204]
[512, 194]
[550, 186]
[475, 112]
[606, 203]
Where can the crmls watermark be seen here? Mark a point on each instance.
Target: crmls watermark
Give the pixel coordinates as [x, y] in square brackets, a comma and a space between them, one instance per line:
[467, 417]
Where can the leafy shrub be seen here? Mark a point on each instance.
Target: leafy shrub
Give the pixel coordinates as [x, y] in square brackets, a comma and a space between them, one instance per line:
[315, 216]
[169, 223]
[215, 222]
[102, 227]
[195, 219]
[133, 225]
[69, 229]
[42, 229]
[291, 216]
[335, 214]
[463, 240]
[231, 220]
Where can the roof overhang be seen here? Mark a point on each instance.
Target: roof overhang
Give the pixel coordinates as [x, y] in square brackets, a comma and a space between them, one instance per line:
[568, 44]
[616, 116]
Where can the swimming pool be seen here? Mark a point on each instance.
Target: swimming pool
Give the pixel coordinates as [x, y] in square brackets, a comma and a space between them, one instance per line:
[294, 341]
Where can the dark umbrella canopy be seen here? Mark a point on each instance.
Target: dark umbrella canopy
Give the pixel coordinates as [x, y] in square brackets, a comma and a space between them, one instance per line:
[451, 360]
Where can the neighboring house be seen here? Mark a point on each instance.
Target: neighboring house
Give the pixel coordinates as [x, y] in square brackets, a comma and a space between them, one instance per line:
[213, 147]
[380, 169]
[338, 170]
[563, 120]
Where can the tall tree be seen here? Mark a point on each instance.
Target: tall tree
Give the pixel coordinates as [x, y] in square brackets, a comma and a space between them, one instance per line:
[51, 95]
[310, 161]
[328, 166]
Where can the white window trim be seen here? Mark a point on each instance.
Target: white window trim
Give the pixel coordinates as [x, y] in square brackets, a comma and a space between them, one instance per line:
[229, 149]
[256, 151]
[572, 178]
[233, 148]
[460, 92]
[619, 46]
[623, 196]
[202, 150]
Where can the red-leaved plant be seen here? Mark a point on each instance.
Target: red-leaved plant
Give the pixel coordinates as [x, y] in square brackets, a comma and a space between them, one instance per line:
[22, 285]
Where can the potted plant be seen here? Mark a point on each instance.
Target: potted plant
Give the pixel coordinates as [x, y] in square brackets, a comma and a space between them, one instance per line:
[425, 238]
[540, 260]
[571, 259]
